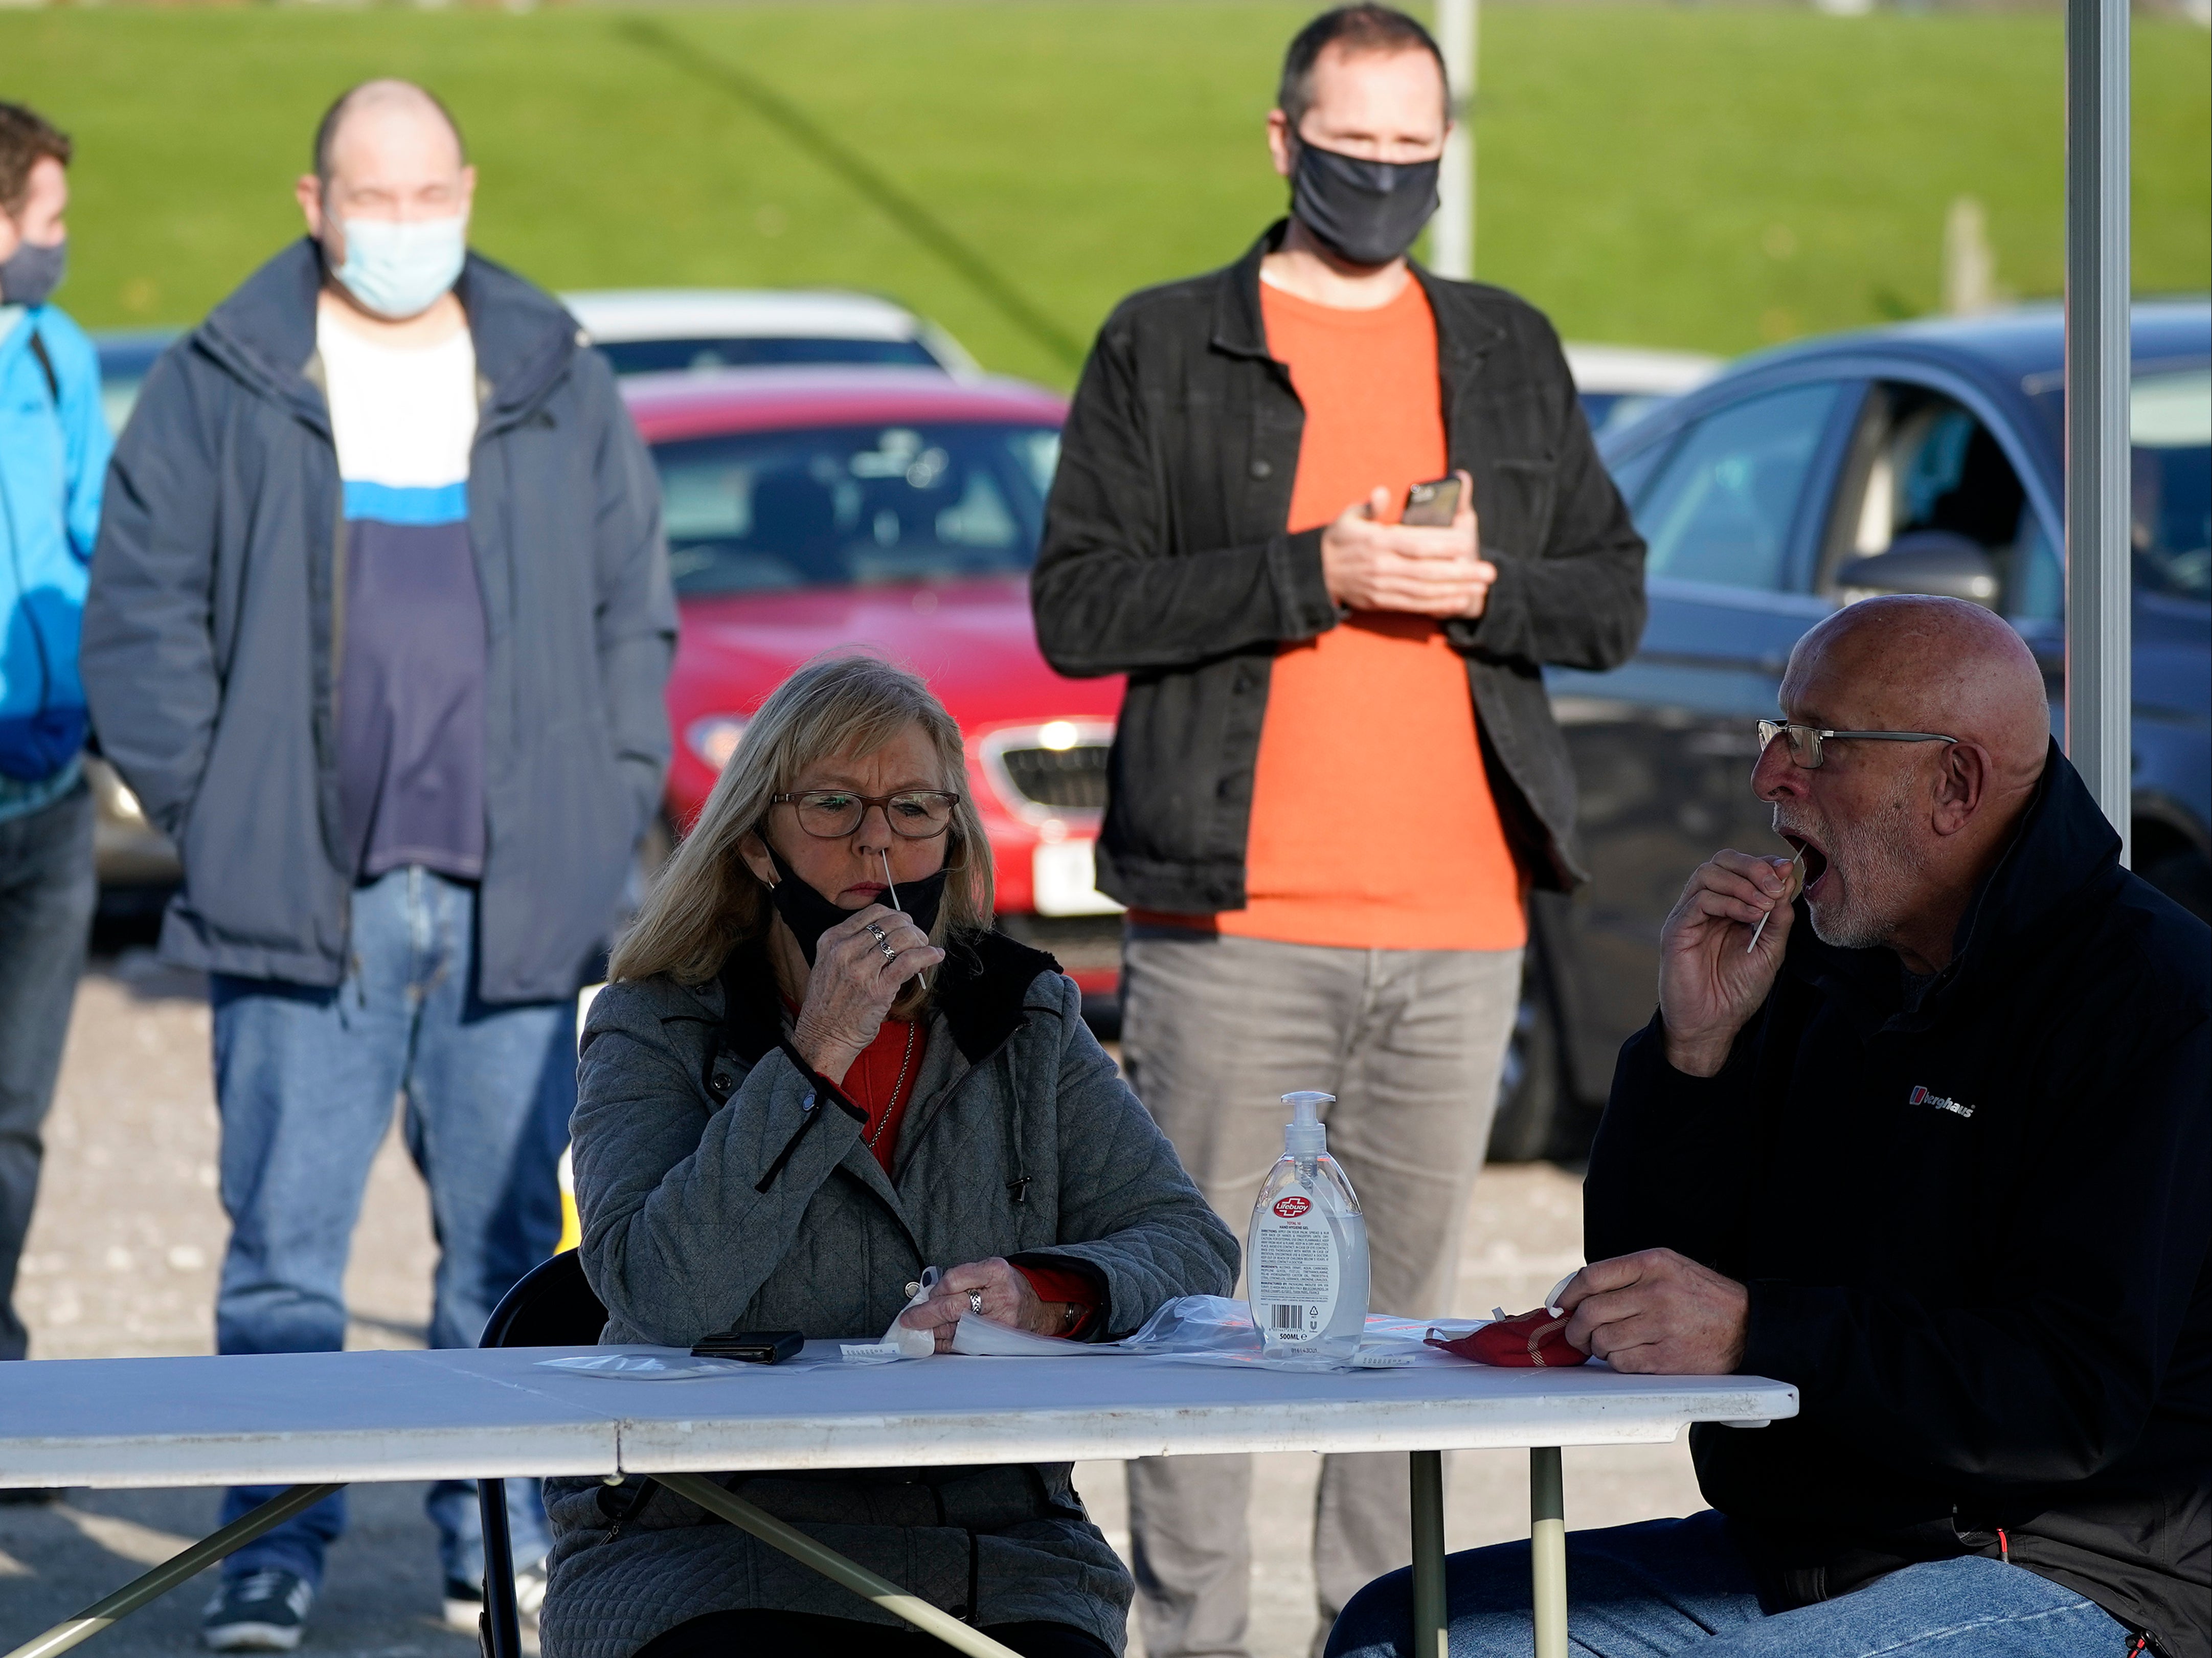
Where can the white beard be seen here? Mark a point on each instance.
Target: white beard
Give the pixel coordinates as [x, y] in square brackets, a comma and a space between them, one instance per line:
[1882, 865]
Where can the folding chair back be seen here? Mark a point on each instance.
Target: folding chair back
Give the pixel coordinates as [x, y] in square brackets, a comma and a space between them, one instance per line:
[551, 1306]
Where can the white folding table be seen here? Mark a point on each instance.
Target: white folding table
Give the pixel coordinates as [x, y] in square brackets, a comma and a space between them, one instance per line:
[315, 1421]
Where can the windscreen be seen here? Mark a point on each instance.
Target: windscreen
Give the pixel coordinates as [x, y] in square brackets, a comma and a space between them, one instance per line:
[2170, 442]
[700, 355]
[854, 505]
[2170, 434]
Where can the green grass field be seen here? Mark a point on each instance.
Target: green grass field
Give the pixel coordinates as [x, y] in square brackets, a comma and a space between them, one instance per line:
[1707, 178]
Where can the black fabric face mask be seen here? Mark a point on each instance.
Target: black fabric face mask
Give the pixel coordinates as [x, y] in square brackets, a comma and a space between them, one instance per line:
[809, 914]
[1367, 212]
[29, 274]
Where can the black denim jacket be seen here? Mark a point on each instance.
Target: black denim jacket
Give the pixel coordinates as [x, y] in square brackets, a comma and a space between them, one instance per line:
[1165, 557]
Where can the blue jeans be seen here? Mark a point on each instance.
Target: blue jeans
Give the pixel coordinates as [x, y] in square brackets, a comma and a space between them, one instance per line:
[46, 897]
[1679, 1586]
[305, 1082]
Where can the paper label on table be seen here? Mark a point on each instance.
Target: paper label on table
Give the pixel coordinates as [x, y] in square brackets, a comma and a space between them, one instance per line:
[870, 1352]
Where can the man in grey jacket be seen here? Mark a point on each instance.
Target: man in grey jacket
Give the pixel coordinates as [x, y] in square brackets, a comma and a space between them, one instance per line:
[379, 624]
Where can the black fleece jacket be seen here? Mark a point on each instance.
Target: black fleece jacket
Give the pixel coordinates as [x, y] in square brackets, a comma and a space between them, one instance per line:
[1166, 557]
[1976, 1237]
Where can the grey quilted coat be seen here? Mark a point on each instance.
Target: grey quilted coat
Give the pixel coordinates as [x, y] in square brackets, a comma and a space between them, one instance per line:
[724, 1185]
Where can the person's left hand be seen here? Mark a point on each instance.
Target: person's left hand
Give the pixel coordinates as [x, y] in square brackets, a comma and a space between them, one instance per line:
[1656, 1313]
[1438, 570]
[1006, 1296]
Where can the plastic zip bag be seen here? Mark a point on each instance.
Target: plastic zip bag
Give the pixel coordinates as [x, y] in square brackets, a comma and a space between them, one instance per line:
[671, 1364]
[986, 1338]
[900, 1340]
[974, 1336]
[1216, 1330]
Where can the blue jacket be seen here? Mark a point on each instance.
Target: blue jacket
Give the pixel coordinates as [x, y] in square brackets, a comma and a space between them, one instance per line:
[53, 455]
[212, 633]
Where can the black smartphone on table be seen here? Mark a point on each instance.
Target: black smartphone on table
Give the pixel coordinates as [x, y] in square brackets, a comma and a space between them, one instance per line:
[752, 1346]
[1433, 505]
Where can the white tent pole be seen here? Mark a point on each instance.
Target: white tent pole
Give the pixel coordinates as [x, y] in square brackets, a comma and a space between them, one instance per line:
[2098, 557]
[1452, 231]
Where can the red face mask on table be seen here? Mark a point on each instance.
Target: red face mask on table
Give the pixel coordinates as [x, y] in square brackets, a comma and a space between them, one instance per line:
[1536, 1341]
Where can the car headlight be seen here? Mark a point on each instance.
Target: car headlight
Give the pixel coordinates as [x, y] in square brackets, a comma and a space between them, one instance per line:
[714, 738]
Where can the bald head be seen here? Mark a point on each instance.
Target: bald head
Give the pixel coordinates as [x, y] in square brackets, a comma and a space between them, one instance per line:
[1911, 663]
[1896, 834]
[387, 105]
[391, 182]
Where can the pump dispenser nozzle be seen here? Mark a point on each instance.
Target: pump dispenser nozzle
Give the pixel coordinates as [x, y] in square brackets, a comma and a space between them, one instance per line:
[1306, 1135]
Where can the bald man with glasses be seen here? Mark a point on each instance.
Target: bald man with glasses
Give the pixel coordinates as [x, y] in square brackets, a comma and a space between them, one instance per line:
[1939, 1158]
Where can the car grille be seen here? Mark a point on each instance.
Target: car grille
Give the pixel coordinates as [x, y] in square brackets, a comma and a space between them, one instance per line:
[1064, 779]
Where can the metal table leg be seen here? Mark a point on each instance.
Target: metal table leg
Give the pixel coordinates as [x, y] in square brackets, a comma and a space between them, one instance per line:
[1548, 1550]
[499, 1625]
[1429, 1616]
[831, 1565]
[172, 1571]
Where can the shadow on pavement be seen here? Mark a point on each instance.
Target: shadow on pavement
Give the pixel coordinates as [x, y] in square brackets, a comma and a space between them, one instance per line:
[379, 1600]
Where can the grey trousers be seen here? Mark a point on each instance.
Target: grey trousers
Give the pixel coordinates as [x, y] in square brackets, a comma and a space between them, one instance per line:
[1214, 1030]
[46, 897]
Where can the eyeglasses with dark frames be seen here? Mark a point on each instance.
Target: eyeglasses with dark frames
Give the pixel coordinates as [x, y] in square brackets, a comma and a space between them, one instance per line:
[1806, 749]
[832, 814]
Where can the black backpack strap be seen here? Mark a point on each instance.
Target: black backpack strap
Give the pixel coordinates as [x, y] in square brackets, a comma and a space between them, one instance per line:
[46, 366]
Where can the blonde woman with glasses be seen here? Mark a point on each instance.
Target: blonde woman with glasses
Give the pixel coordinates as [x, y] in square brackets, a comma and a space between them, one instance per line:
[816, 1072]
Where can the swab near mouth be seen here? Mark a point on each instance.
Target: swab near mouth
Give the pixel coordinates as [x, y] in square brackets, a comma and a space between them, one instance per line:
[1811, 864]
[1792, 882]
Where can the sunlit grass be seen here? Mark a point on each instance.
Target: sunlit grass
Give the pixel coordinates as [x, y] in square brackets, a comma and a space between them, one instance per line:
[1706, 178]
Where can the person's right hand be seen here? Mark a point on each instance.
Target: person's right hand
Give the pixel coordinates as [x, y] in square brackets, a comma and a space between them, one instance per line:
[854, 985]
[1439, 571]
[1709, 985]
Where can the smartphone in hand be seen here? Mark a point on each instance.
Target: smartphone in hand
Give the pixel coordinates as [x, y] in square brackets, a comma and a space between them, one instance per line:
[1433, 505]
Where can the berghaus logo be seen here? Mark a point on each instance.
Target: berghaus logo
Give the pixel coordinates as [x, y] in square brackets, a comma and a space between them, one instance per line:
[1927, 1097]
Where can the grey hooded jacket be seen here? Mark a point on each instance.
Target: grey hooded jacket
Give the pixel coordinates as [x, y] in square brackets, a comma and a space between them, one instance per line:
[724, 1185]
[212, 630]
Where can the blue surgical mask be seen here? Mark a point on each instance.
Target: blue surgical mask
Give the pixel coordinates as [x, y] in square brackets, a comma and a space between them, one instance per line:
[399, 269]
[29, 274]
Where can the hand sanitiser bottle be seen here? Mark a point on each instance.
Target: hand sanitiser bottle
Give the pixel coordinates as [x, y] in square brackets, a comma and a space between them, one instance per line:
[1306, 1258]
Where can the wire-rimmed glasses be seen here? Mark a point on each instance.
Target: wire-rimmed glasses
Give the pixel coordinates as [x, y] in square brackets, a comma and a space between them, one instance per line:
[1805, 741]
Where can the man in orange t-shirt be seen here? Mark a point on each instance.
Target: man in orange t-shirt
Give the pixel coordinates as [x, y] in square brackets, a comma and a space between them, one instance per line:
[1335, 772]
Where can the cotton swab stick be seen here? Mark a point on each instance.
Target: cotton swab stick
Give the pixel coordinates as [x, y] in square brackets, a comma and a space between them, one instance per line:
[888, 882]
[1796, 869]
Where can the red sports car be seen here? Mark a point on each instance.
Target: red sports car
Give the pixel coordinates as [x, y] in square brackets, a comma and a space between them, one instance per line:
[809, 509]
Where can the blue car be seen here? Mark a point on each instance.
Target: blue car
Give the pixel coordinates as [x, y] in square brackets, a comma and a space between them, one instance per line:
[1925, 457]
